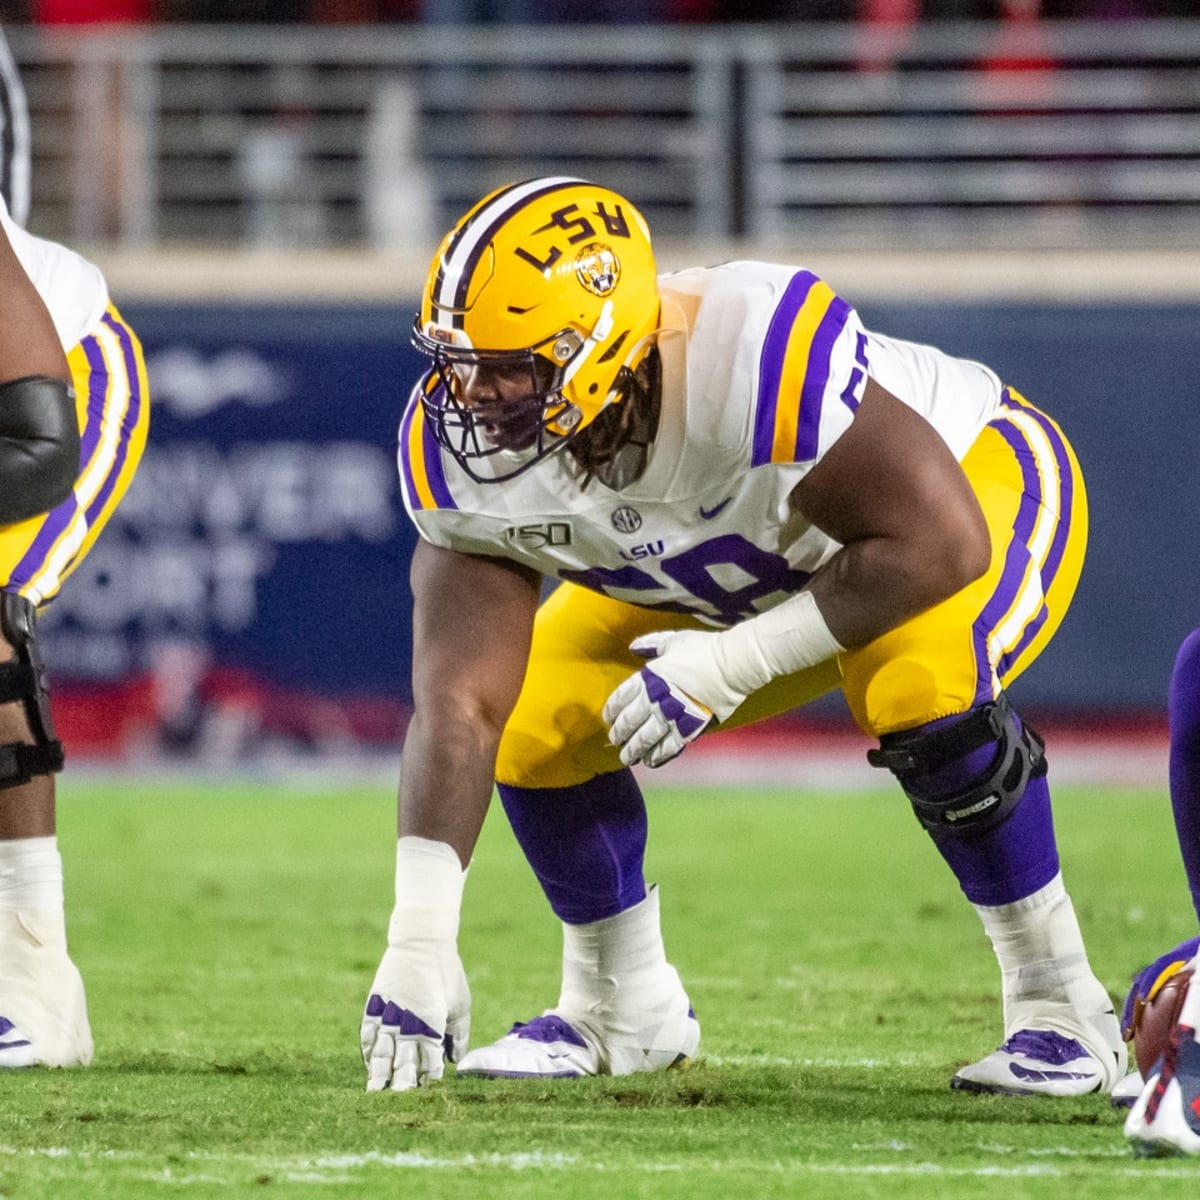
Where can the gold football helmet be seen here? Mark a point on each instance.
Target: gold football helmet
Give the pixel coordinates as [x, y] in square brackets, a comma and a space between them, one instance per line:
[536, 301]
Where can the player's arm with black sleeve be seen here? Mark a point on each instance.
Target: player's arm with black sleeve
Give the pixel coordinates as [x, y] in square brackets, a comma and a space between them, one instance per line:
[39, 431]
[912, 534]
[472, 626]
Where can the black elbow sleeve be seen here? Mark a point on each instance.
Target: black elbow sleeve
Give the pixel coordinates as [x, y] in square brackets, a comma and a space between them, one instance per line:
[39, 446]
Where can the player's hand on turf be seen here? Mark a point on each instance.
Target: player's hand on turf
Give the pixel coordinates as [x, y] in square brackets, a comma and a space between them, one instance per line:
[670, 702]
[417, 1016]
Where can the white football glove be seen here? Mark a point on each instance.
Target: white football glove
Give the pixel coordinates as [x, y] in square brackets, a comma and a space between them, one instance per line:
[418, 1015]
[695, 677]
[654, 714]
[419, 1011]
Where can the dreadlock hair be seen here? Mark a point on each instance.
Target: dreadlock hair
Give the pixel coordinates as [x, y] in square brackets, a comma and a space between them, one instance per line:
[631, 420]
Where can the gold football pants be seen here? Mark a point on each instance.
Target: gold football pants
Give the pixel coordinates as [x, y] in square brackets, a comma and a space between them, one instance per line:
[112, 401]
[950, 658]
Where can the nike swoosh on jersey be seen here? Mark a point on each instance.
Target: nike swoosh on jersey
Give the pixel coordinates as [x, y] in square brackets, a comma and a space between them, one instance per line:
[709, 513]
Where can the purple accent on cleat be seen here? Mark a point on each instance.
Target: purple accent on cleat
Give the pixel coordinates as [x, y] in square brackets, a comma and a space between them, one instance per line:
[671, 706]
[410, 1025]
[548, 1028]
[6, 1027]
[1045, 1076]
[1046, 1046]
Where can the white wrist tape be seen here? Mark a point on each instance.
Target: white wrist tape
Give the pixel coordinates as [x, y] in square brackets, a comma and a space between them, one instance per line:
[785, 639]
[429, 890]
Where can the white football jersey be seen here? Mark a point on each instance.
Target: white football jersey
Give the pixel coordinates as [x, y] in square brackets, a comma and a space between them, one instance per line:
[763, 369]
[72, 288]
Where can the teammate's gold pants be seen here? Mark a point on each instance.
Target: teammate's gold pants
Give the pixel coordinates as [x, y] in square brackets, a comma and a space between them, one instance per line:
[112, 401]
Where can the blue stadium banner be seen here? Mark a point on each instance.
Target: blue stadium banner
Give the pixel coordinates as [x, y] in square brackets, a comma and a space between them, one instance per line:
[252, 590]
[253, 585]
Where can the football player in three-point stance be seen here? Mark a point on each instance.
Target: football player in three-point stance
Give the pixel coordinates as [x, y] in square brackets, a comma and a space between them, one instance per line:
[748, 500]
[73, 419]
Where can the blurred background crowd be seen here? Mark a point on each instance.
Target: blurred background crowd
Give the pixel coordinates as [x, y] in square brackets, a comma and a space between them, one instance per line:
[511, 12]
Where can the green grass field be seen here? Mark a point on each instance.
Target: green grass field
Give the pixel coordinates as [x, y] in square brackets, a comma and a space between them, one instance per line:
[228, 933]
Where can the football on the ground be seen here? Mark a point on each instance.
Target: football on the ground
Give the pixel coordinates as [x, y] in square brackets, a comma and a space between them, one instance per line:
[1152, 1033]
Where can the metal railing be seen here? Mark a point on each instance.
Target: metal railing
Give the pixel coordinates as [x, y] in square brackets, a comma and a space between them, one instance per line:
[322, 137]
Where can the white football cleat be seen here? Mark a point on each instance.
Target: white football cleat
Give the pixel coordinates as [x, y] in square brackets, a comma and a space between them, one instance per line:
[546, 1047]
[1125, 1094]
[1045, 1062]
[1165, 1118]
[43, 1008]
[16, 1050]
[559, 1045]
[622, 1008]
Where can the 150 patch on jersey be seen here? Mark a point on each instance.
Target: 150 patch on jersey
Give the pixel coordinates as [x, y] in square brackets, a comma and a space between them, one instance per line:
[540, 533]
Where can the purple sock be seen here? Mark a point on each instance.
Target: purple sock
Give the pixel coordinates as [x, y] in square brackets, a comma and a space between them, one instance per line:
[1183, 710]
[1012, 860]
[586, 843]
[1008, 862]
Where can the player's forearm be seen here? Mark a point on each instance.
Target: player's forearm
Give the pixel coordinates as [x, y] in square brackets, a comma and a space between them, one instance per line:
[446, 777]
[876, 584]
[867, 589]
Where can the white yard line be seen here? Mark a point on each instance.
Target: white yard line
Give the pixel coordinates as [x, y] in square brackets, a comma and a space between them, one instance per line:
[199, 1167]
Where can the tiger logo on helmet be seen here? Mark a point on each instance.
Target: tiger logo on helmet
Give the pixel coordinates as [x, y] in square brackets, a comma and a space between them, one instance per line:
[598, 269]
[535, 302]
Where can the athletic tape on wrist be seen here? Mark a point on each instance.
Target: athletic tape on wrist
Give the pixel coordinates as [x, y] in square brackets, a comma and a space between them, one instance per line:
[429, 890]
[785, 639]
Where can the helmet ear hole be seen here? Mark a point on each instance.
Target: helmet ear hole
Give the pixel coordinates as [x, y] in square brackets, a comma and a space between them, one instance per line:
[614, 349]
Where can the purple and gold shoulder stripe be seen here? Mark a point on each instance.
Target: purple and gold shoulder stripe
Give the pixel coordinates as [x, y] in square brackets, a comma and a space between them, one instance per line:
[1042, 529]
[422, 474]
[794, 369]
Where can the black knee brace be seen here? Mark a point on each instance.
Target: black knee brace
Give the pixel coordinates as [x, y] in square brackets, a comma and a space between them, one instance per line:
[986, 798]
[25, 680]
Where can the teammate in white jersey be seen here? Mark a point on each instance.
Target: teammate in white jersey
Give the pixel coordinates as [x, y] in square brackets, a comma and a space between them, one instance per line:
[748, 500]
[73, 418]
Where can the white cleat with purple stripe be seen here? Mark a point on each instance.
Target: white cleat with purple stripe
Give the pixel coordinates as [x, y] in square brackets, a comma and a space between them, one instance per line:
[16, 1050]
[546, 1047]
[1039, 1062]
[558, 1046]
